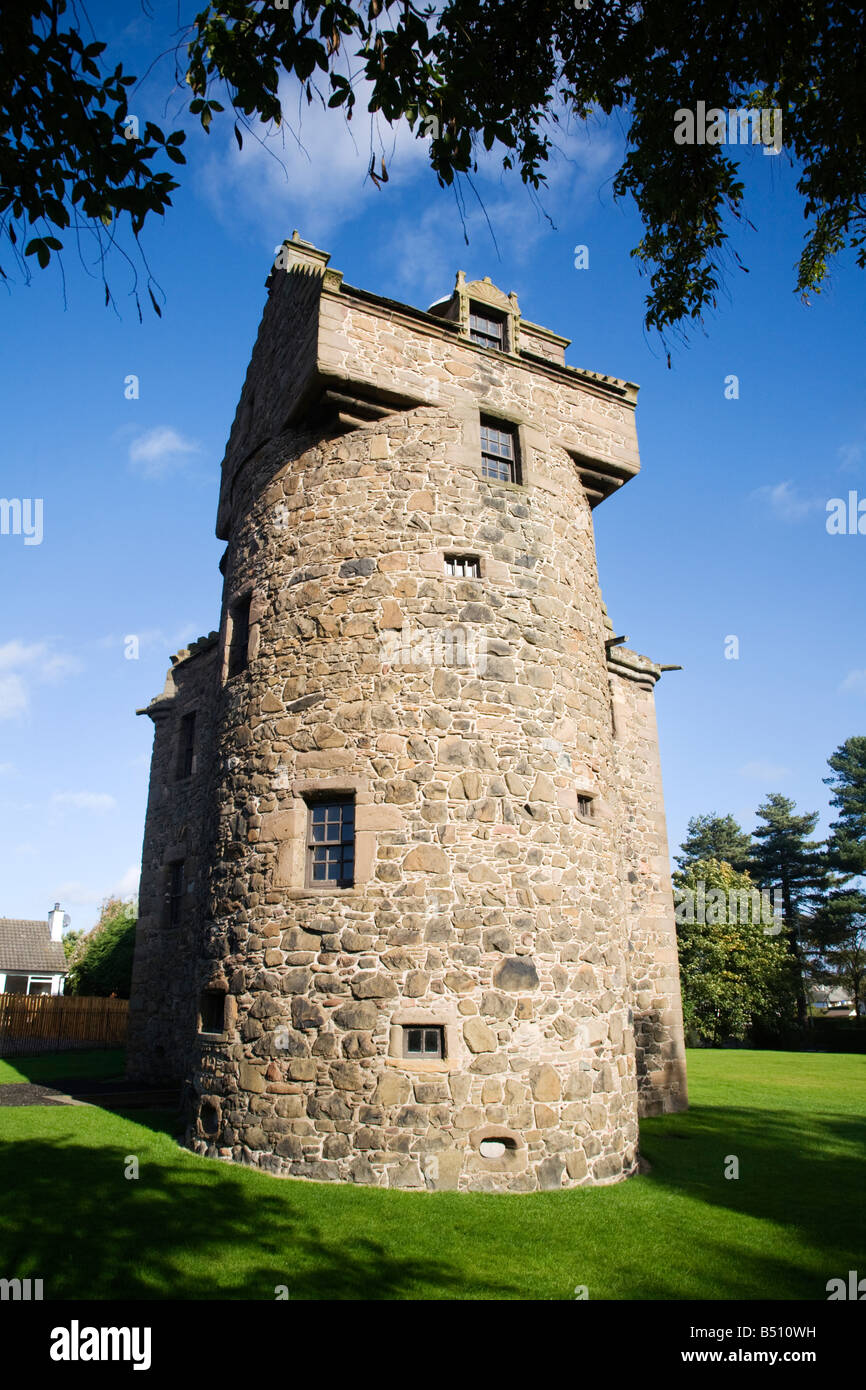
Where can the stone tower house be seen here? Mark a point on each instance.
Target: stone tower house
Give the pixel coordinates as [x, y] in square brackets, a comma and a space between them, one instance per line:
[406, 914]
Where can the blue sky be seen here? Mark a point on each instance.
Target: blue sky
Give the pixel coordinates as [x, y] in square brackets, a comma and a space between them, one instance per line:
[723, 533]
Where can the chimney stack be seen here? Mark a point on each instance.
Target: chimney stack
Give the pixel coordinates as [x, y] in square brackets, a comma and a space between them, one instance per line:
[55, 923]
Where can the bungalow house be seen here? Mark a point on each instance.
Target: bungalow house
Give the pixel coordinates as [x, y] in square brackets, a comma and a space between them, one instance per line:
[832, 1001]
[32, 958]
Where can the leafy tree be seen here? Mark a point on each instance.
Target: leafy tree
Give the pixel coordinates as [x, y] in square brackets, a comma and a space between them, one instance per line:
[841, 922]
[715, 837]
[847, 843]
[102, 960]
[841, 919]
[785, 860]
[66, 159]
[468, 74]
[731, 972]
[71, 940]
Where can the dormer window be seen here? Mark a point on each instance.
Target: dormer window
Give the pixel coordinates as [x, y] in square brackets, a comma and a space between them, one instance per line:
[486, 328]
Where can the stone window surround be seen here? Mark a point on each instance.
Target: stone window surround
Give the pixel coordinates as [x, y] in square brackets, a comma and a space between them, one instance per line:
[230, 1013]
[526, 436]
[290, 825]
[240, 596]
[424, 1017]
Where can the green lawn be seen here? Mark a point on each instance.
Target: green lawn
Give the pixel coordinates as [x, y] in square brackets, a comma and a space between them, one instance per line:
[192, 1228]
[102, 1064]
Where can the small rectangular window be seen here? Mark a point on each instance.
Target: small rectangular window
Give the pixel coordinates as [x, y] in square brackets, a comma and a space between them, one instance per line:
[463, 566]
[212, 1010]
[331, 843]
[424, 1041]
[584, 806]
[485, 328]
[186, 746]
[176, 890]
[240, 636]
[498, 453]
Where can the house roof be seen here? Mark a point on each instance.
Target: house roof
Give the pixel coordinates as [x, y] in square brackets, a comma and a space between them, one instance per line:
[27, 945]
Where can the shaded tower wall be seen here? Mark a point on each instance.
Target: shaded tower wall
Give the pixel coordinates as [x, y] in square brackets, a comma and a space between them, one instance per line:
[179, 826]
[653, 960]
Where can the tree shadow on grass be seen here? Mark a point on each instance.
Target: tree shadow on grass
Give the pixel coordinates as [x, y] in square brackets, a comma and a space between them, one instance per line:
[188, 1228]
[802, 1170]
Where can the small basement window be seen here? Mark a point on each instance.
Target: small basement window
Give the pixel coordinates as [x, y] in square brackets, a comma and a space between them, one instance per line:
[212, 1011]
[463, 566]
[585, 806]
[423, 1041]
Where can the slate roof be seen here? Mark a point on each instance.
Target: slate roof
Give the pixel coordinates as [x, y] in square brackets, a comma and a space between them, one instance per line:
[27, 945]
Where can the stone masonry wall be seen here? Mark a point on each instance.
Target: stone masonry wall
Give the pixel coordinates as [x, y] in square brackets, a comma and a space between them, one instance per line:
[653, 960]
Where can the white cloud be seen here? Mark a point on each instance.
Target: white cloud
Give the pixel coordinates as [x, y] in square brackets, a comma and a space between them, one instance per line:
[314, 175]
[127, 884]
[23, 664]
[786, 504]
[764, 771]
[14, 699]
[855, 681]
[85, 801]
[311, 174]
[850, 457]
[74, 893]
[159, 451]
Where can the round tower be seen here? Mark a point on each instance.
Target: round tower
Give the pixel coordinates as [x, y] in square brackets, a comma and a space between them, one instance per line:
[413, 927]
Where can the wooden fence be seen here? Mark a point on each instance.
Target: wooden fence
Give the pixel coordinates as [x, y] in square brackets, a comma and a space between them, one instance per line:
[59, 1023]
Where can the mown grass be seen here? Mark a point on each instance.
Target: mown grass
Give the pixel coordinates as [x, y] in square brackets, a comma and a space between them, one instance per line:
[47, 1068]
[190, 1228]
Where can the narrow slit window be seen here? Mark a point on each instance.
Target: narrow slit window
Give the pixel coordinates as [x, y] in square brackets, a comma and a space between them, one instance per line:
[186, 746]
[463, 566]
[424, 1041]
[176, 890]
[331, 843]
[584, 806]
[498, 453]
[485, 329]
[240, 636]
